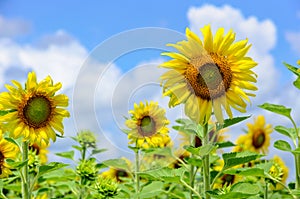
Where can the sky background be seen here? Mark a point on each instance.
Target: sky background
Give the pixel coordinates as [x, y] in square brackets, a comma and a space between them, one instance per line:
[69, 41]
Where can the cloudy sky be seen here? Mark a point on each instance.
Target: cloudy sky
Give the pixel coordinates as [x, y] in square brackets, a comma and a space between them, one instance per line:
[106, 55]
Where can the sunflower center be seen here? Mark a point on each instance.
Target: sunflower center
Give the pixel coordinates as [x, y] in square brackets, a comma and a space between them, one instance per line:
[121, 173]
[1, 158]
[37, 111]
[147, 126]
[227, 179]
[258, 139]
[209, 76]
[35, 149]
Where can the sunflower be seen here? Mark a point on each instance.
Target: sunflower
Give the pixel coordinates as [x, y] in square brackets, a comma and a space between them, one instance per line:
[118, 174]
[257, 138]
[148, 126]
[210, 74]
[40, 151]
[226, 179]
[279, 171]
[8, 150]
[35, 112]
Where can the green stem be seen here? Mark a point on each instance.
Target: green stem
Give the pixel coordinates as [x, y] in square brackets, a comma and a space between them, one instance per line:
[190, 188]
[83, 153]
[25, 180]
[137, 170]
[266, 191]
[192, 141]
[297, 157]
[206, 174]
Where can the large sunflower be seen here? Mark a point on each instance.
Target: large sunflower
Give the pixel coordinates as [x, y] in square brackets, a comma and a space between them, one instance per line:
[257, 138]
[147, 126]
[35, 112]
[8, 150]
[210, 74]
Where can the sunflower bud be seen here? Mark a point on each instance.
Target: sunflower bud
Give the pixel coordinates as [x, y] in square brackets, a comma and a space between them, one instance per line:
[105, 188]
[86, 139]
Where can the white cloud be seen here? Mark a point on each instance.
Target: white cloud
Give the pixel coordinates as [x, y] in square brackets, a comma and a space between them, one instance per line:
[294, 40]
[61, 62]
[13, 27]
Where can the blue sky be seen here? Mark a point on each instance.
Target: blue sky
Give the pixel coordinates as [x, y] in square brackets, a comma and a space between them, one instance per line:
[58, 37]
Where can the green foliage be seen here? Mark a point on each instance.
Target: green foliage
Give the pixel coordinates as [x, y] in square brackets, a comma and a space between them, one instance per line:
[231, 121]
[236, 158]
[278, 109]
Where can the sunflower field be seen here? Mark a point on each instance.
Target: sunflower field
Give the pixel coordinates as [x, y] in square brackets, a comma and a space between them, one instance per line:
[212, 78]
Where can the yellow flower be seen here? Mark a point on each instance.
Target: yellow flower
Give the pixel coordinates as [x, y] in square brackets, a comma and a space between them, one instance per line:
[35, 111]
[225, 179]
[8, 150]
[147, 126]
[279, 171]
[298, 62]
[210, 74]
[41, 196]
[40, 151]
[258, 137]
[117, 173]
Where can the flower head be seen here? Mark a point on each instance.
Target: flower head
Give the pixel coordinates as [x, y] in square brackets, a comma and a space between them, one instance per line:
[40, 152]
[35, 112]
[147, 126]
[105, 188]
[86, 139]
[279, 171]
[8, 150]
[257, 138]
[210, 74]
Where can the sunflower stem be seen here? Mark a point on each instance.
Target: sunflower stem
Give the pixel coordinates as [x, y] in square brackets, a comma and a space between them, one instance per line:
[266, 191]
[297, 157]
[25, 179]
[137, 170]
[206, 174]
[192, 141]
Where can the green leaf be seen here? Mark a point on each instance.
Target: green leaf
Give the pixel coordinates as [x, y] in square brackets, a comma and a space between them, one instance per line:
[290, 132]
[16, 165]
[96, 151]
[293, 69]
[151, 190]
[238, 190]
[296, 151]
[79, 148]
[232, 121]
[201, 151]
[195, 161]
[224, 144]
[12, 141]
[279, 109]
[67, 154]
[52, 166]
[165, 174]
[116, 163]
[246, 172]
[296, 83]
[283, 145]
[4, 112]
[236, 158]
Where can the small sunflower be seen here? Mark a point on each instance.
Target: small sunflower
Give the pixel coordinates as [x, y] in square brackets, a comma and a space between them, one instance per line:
[257, 138]
[148, 126]
[8, 150]
[35, 111]
[117, 173]
[210, 74]
[226, 179]
[40, 151]
[279, 171]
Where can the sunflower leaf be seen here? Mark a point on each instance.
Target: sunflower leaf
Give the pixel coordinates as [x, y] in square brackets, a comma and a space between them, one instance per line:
[67, 154]
[224, 144]
[116, 163]
[236, 158]
[151, 190]
[279, 109]
[246, 172]
[296, 151]
[232, 121]
[200, 151]
[96, 151]
[294, 69]
[238, 190]
[296, 83]
[283, 145]
[290, 132]
[52, 166]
